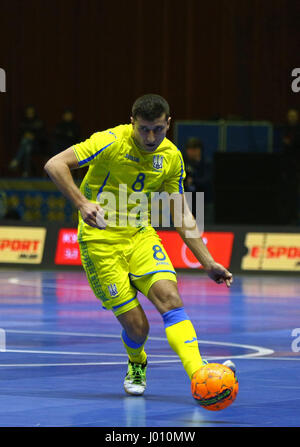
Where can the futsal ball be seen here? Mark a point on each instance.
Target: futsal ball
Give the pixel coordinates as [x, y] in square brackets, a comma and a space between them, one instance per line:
[214, 386]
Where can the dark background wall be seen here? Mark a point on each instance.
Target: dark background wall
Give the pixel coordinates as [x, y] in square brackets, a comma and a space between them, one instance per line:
[208, 58]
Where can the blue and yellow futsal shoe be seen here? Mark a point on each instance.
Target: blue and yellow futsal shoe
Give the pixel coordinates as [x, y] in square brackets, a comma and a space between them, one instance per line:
[228, 363]
[135, 380]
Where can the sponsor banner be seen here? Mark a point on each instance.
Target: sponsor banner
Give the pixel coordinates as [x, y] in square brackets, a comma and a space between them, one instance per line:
[272, 251]
[219, 244]
[23, 245]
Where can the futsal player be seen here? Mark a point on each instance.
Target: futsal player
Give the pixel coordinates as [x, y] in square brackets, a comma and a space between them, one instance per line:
[121, 259]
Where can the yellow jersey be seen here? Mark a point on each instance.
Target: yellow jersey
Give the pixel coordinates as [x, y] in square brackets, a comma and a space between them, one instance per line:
[119, 167]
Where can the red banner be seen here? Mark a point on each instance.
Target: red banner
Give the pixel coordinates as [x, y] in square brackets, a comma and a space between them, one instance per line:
[67, 249]
[219, 245]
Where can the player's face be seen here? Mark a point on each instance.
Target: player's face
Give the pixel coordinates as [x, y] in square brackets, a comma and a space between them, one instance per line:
[30, 112]
[149, 134]
[293, 116]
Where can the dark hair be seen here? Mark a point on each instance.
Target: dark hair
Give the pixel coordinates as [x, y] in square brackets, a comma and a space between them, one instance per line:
[193, 143]
[29, 106]
[150, 107]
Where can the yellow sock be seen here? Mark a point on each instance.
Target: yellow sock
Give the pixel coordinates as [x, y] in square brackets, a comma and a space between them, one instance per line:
[135, 351]
[182, 338]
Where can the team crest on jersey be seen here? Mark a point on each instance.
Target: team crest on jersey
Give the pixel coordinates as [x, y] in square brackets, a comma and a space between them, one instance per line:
[158, 162]
[113, 289]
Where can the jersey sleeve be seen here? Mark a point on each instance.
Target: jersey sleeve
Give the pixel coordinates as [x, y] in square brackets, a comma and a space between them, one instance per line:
[95, 147]
[174, 182]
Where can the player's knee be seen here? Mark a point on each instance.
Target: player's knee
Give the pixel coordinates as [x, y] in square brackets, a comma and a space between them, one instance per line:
[170, 300]
[138, 329]
[138, 333]
[135, 324]
[165, 296]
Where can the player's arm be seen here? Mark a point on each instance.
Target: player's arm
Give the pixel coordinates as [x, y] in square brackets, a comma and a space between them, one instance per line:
[59, 170]
[189, 228]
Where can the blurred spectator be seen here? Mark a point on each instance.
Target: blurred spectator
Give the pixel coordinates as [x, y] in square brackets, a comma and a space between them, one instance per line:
[291, 133]
[32, 140]
[291, 161]
[7, 212]
[66, 132]
[197, 169]
[198, 174]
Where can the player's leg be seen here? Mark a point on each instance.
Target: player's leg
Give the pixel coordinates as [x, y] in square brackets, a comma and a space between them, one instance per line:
[181, 335]
[134, 336]
[180, 332]
[107, 273]
[152, 272]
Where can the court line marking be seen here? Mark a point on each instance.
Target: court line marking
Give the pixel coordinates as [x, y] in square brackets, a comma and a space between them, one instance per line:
[260, 351]
[80, 364]
[24, 365]
[29, 351]
[271, 358]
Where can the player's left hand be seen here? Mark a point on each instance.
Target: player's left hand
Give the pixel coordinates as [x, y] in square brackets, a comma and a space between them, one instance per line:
[219, 274]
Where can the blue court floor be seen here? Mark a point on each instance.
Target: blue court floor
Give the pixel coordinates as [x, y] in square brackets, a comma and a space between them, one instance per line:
[63, 364]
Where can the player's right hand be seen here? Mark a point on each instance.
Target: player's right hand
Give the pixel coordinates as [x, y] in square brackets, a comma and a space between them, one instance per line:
[93, 215]
[220, 274]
